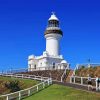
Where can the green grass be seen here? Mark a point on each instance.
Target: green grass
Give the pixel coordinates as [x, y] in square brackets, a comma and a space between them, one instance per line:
[23, 83]
[59, 92]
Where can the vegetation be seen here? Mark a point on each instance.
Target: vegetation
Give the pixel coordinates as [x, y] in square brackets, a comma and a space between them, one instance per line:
[13, 85]
[59, 92]
[8, 85]
[92, 71]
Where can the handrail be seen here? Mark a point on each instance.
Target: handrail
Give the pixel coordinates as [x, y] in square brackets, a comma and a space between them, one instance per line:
[12, 71]
[64, 73]
[81, 77]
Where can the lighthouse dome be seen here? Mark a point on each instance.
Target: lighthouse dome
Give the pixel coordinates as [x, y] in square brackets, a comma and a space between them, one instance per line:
[63, 62]
[53, 17]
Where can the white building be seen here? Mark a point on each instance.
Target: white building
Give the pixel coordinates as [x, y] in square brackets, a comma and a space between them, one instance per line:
[51, 58]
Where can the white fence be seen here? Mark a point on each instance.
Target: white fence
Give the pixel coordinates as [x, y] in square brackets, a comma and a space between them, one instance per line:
[45, 81]
[84, 81]
[12, 71]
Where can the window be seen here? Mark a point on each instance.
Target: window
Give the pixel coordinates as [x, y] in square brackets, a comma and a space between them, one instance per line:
[35, 66]
[53, 65]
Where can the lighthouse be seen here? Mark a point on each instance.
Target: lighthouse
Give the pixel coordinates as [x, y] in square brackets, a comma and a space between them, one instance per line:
[53, 34]
[51, 57]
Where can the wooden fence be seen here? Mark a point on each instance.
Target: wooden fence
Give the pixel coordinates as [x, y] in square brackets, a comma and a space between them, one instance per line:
[84, 81]
[45, 81]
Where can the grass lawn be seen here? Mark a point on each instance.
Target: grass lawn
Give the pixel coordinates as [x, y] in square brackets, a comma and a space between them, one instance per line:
[59, 92]
[23, 83]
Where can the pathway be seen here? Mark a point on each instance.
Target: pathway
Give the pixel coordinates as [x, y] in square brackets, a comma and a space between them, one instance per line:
[77, 86]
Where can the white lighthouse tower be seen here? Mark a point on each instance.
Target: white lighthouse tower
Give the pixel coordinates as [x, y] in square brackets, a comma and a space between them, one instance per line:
[53, 35]
[51, 57]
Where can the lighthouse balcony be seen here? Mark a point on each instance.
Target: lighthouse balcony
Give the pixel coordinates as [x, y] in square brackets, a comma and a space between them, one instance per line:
[54, 32]
[49, 56]
[53, 28]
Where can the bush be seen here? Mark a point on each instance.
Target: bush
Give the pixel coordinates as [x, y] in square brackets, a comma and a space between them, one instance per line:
[92, 71]
[13, 85]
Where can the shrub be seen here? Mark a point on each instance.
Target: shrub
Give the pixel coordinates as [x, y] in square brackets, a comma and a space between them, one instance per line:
[13, 85]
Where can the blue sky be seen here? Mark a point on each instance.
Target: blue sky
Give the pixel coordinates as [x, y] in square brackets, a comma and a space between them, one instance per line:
[23, 22]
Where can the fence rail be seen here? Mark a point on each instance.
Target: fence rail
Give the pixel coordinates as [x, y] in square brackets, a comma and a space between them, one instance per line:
[84, 81]
[14, 71]
[45, 81]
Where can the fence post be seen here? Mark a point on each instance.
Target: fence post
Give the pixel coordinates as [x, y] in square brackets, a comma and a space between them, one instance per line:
[37, 88]
[29, 77]
[70, 79]
[29, 92]
[48, 82]
[61, 79]
[96, 85]
[81, 81]
[19, 95]
[74, 79]
[22, 76]
[11, 76]
[41, 78]
[43, 85]
[35, 77]
[7, 98]
[15, 75]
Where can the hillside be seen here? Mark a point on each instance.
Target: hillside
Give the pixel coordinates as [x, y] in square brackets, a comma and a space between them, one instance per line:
[92, 71]
[22, 84]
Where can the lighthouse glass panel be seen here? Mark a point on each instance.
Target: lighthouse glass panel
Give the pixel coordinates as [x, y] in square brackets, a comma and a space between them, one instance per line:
[53, 23]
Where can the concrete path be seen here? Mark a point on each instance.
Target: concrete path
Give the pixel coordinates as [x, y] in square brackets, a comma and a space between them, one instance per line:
[77, 86]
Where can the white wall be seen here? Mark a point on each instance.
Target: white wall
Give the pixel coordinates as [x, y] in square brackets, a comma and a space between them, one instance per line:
[43, 62]
[53, 44]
